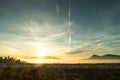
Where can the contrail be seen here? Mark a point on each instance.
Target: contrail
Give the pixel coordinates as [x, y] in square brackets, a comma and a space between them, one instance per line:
[70, 39]
[69, 24]
[57, 8]
[69, 15]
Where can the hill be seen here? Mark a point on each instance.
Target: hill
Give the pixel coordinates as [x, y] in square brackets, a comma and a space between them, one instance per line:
[107, 56]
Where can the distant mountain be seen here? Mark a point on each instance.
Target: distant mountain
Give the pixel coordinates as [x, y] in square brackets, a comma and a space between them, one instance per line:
[107, 56]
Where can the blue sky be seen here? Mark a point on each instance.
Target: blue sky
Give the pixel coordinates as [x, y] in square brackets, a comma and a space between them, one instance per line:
[64, 27]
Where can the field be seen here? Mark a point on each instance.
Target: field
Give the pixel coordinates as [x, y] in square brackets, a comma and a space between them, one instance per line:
[60, 72]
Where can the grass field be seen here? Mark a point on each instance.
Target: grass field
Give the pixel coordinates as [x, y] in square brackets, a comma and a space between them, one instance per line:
[15, 69]
[60, 72]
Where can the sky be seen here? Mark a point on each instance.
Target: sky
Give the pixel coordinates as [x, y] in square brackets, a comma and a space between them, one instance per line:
[68, 30]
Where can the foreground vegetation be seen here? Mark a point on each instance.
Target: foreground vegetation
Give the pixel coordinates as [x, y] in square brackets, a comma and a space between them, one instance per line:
[57, 71]
[11, 61]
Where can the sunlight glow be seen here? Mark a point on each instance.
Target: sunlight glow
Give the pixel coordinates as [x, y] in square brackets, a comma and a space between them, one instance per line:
[42, 52]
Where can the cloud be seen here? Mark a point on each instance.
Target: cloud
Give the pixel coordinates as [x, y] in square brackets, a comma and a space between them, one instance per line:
[46, 57]
[89, 47]
[50, 57]
[30, 57]
[75, 51]
[54, 36]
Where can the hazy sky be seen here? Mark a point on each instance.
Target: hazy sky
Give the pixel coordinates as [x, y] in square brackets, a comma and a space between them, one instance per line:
[68, 29]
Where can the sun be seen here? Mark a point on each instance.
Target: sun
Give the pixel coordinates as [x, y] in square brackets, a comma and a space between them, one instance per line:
[42, 52]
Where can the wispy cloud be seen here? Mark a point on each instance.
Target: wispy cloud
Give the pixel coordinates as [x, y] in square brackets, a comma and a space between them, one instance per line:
[46, 57]
[90, 48]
